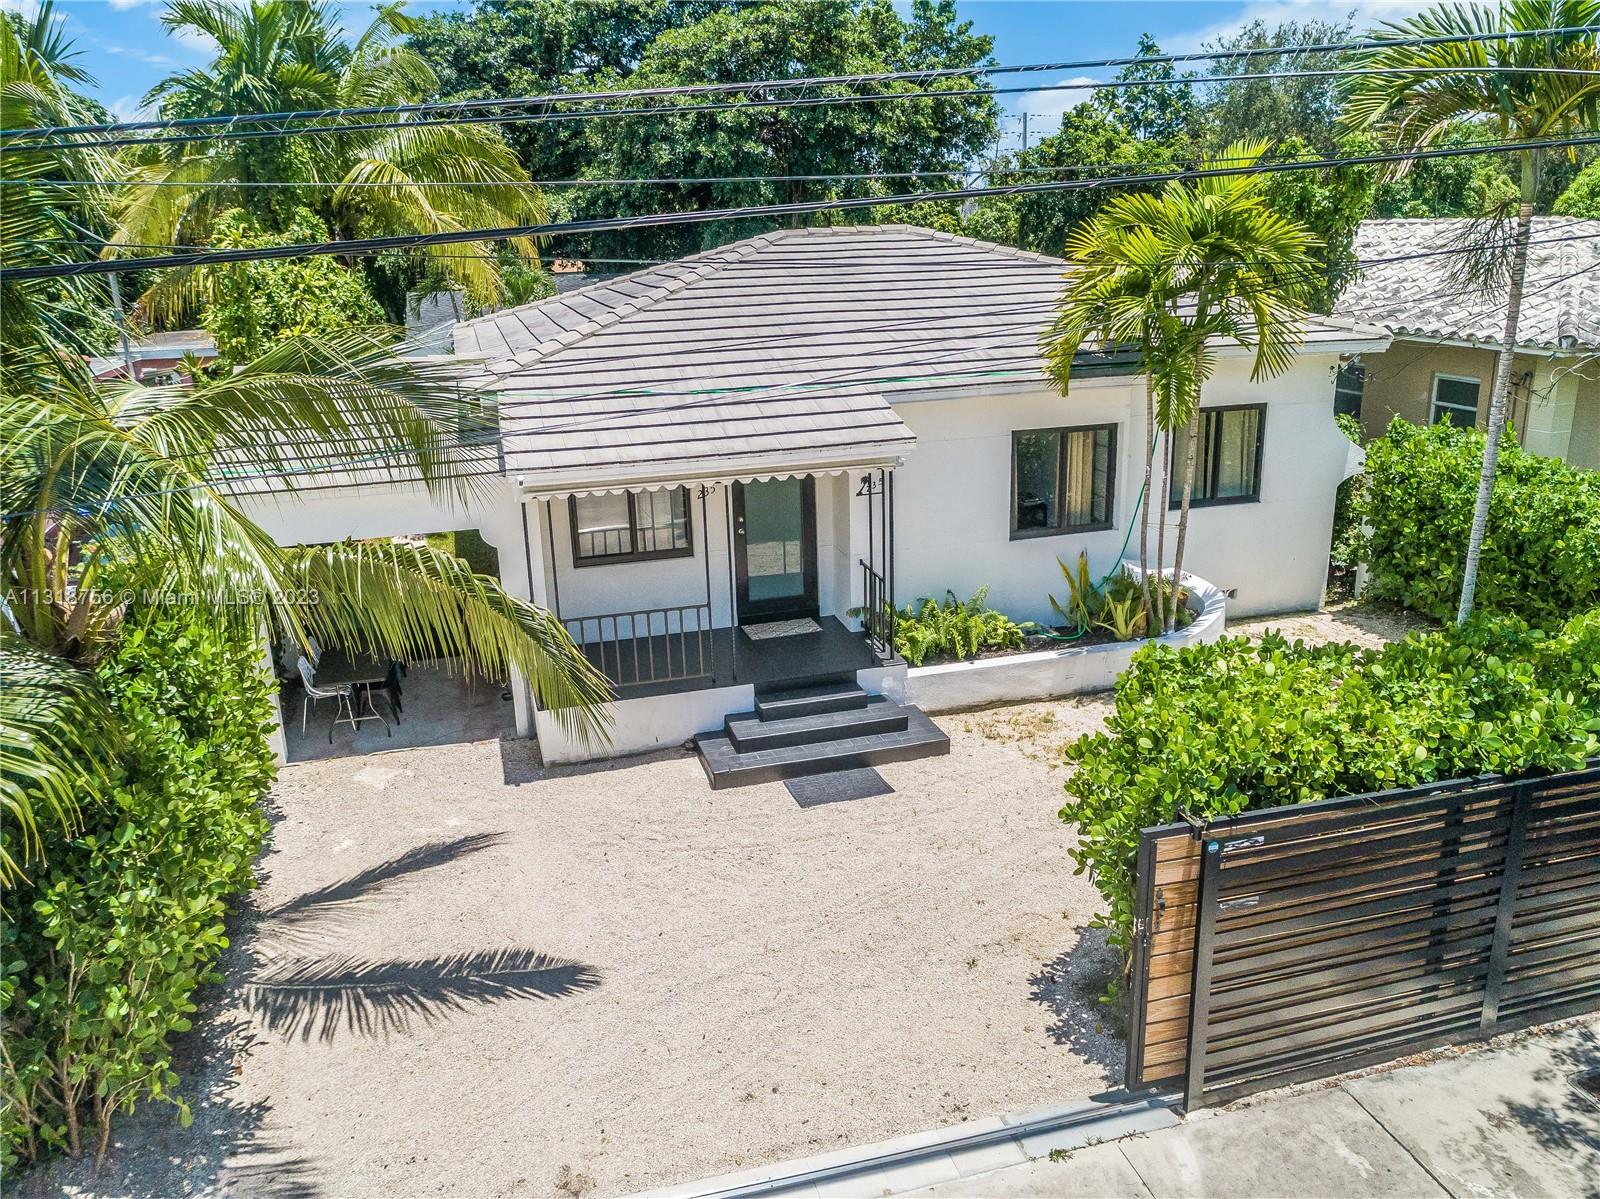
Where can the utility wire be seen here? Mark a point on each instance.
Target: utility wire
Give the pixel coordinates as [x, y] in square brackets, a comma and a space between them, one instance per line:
[992, 170]
[764, 85]
[853, 377]
[651, 220]
[232, 134]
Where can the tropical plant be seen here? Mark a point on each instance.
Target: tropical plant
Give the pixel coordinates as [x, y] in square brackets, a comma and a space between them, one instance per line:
[406, 175]
[1529, 88]
[105, 944]
[1213, 730]
[1169, 274]
[1541, 557]
[1083, 597]
[954, 629]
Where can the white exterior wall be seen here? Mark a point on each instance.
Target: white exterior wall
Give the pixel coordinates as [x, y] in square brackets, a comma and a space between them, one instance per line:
[669, 582]
[953, 498]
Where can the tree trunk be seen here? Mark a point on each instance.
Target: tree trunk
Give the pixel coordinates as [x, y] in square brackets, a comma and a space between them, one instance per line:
[1144, 507]
[1498, 397]
[1183, 509]
[1161, 535]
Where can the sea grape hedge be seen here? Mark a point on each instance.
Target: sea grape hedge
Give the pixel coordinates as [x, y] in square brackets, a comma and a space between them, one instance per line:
[104, 945]
[1215, 729]
[1541, 557]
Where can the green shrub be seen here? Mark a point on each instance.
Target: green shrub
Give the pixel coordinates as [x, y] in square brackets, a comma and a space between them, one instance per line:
[1215, 729]
[954, 630]
[105, 945]
[1541, 558]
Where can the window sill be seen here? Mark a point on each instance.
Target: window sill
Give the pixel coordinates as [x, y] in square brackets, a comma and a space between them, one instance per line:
[1070, 531]
[620, 559]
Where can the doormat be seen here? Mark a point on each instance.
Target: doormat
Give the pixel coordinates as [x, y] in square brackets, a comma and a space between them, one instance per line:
[780, 628]
[815, 790]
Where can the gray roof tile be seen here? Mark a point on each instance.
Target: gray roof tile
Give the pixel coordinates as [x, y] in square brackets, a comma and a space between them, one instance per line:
[1417, 297]
[766, 351]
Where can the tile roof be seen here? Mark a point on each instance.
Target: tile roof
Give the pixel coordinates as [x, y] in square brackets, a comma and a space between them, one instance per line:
[780, 349]
[1417, 297]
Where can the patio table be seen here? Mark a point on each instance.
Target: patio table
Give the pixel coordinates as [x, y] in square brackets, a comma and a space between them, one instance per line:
[361, 671]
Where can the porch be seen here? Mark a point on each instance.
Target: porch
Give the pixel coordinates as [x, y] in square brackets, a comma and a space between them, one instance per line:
[697, 598]
[684, 653]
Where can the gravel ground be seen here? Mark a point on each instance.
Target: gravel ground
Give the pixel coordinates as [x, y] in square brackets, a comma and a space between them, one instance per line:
[466, 975]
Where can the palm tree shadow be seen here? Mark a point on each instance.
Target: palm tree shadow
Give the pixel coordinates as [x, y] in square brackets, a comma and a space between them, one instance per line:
[321, 996]
[336, 896]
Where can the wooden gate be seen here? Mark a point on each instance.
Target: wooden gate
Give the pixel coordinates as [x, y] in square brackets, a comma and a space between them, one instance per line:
[1298, 942]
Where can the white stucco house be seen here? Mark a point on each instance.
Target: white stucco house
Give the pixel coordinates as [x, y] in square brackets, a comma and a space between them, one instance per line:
[801, 425]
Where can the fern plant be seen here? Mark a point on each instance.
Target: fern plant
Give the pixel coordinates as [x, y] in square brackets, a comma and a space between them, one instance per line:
[954, 628]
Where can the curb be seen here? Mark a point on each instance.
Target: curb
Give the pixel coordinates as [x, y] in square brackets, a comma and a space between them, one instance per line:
[943, 1154]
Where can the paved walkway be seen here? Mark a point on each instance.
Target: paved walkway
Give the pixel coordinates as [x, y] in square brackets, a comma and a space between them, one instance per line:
[1503, 1121]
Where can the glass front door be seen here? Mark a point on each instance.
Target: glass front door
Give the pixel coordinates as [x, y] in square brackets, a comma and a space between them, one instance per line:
[775, 548]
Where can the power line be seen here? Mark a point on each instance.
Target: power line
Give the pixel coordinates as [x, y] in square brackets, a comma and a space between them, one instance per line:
[749, 86]
[651, 220]
[651, 181]
[231, 134]
[853, 376]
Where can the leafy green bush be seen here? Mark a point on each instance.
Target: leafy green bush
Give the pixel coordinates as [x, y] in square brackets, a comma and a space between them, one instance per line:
[953, 630]
[1541, 558]
[1215, 729]
[256, 304]
[104, 946]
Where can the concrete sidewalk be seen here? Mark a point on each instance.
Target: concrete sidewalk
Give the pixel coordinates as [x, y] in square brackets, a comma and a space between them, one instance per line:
[1505, 1120]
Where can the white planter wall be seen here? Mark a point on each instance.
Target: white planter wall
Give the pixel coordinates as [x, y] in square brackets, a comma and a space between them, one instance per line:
[1050, 673]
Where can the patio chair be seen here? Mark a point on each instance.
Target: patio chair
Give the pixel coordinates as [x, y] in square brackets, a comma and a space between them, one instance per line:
[343, 695]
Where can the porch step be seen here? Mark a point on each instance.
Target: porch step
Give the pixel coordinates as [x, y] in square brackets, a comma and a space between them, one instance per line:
[834, 695]
[726, 766]
[749, 733]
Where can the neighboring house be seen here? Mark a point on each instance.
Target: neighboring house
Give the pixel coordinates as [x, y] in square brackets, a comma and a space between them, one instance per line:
[802, 425]
[155, 357]
[1447, 337]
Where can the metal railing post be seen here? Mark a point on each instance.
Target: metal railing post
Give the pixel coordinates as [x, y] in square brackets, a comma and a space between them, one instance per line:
[1205, 927]
[1510, 877]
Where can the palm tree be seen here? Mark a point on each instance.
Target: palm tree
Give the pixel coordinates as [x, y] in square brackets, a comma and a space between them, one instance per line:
[111, 486]
[1170, 272]
[281, 55]
[1482, 81]
[108, 489]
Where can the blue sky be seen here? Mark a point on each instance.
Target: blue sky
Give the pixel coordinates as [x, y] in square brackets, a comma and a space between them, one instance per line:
[125, 46]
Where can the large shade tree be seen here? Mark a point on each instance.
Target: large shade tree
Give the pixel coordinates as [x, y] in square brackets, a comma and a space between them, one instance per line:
[1517, 85]
[1174, 273]
[412, 175]
[754, 141]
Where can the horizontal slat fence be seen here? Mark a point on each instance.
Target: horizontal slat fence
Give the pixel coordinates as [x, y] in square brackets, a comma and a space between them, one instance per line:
[1327, 936]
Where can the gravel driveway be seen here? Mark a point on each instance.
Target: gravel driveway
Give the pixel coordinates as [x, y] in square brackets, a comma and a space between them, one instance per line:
[469, 976]
[466, 975]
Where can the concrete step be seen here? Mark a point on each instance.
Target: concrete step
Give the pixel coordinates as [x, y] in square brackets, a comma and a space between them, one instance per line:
[726, 767]
[748, 732]
[836, 695]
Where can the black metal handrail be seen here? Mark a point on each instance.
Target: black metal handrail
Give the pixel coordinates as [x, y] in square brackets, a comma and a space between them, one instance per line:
[648, 645]
[877, 613]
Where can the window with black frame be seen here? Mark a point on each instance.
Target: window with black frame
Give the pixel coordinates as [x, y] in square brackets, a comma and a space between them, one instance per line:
[1349, 386]
[1062, 480]
[1227, 466]
[630, 526]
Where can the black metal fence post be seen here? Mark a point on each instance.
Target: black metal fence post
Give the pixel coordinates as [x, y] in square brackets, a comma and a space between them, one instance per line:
[1205, 927]
[1510, 877]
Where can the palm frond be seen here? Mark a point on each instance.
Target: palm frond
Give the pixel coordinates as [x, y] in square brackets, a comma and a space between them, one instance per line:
[412, 601]
[58, 737]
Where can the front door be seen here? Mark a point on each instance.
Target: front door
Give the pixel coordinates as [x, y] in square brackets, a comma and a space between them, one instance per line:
[775, 548]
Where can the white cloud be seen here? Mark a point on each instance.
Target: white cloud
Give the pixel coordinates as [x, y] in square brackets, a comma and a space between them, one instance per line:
[1045, 109]
[120, 5]
[1362, 14]
[128, 108]
[155, 60]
